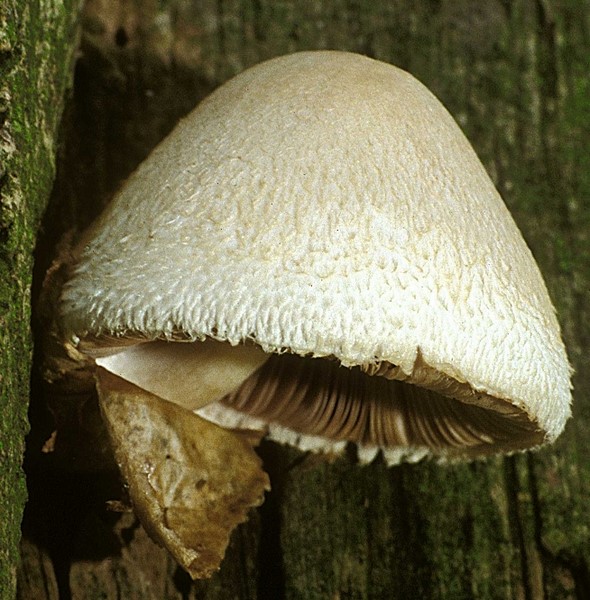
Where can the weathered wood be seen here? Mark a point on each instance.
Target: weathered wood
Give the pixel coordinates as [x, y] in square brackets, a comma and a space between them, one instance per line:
[36, 59]
[514, 75]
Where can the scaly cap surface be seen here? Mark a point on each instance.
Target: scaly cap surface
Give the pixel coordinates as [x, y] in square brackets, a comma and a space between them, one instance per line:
[326, 204]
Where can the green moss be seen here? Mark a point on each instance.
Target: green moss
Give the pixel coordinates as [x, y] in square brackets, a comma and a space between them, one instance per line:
[28, 127]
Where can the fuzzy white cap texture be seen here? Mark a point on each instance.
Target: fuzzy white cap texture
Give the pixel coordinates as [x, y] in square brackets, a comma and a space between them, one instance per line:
[326, 204]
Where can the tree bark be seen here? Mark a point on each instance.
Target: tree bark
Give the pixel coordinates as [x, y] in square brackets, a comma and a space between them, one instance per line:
[514, 75]
[34, 76]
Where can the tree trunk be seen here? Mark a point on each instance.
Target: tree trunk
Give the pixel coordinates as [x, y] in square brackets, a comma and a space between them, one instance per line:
[515, 76]
[34, 75]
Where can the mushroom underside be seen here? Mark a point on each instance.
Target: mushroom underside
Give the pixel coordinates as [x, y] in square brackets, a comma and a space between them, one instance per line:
[321, 398]
[374, 407]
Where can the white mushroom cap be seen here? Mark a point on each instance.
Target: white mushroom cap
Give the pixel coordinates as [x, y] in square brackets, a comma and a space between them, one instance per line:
[327, 205]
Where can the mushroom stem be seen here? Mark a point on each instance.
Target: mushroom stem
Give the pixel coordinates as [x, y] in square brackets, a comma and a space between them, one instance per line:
[188, 374]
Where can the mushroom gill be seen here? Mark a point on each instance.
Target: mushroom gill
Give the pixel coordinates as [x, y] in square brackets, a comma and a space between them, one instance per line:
[291, 397]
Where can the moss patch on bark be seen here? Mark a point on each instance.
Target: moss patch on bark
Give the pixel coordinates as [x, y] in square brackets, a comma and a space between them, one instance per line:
[36, 51]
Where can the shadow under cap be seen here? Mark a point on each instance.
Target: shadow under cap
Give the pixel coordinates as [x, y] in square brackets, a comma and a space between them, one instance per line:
[327, 204]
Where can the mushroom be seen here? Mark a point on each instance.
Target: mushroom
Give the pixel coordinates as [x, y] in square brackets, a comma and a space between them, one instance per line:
[317, 253]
